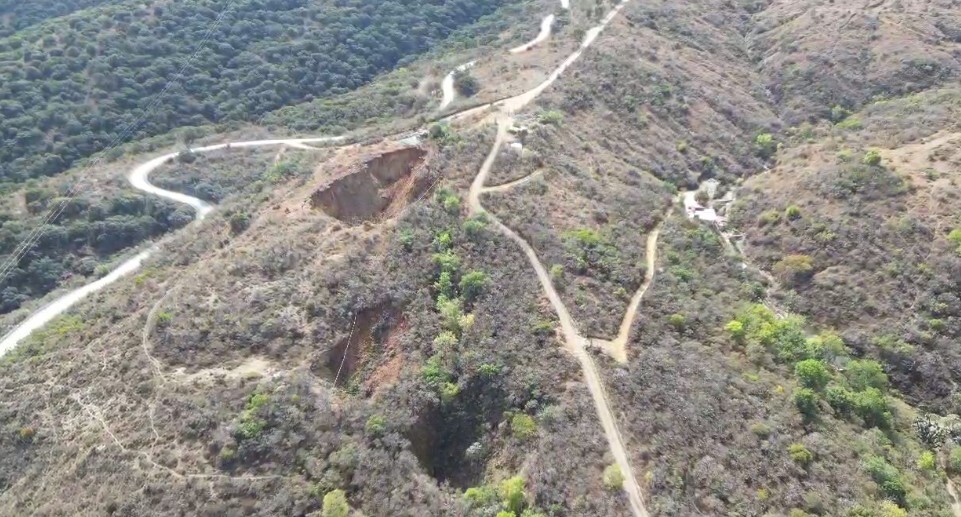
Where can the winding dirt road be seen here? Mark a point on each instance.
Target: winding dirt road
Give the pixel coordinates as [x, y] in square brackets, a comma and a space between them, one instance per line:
[501, 113]
[139, 178]
[542, 36]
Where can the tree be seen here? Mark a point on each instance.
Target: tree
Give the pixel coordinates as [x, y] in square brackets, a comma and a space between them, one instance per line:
[465, 83]
[613, 477]
[806, 400]
[512, 493]
[812, 374]
[335, 504]
[865, 373]
[800, 454]
[872, 407]
[764, 145]
[472, 285]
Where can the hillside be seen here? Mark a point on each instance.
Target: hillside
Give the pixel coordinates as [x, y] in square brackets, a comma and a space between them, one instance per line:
[637, 258]
[78, 84]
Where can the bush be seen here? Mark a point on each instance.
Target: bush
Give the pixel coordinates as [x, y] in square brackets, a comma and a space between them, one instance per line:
[465, 83]
[761, 430]
[927, 461]
[523, 426]
[553, 118]
[335, 504]
[376, 425]
[794, 269]
[26, 434]
[512, 493]
[792, 212]
[472, 284]
[736, 329]
[954, 460]
[865, 373]
[872, 158]
[481, 497]
[840, 398]
[678, 321]
[613, 477]
[889, 509]
[800, 454]
[764, 145]
[887, 477]
[872, 407]
[812, 373]
[806, 400]
[238, 221]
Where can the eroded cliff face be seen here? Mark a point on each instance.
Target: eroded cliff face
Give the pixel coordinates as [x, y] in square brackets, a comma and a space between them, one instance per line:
[381, 184]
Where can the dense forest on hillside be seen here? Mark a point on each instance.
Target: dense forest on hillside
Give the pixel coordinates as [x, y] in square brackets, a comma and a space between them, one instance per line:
[75, 85]
[20, 15]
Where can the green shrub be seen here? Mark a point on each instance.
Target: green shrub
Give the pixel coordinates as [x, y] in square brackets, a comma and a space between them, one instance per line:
[794, 269]
[840, 398]
[872, 407]
[376, 425]
[238, 222]
[736, 329]
[523, 426]
[465, 83]
[765, 146]
[768, 218]
[927, 461]
[865, 373]
[872, 158]
[512, 493]
[335, 504]
[26, 434]
[553, 118]
[678, 321]
[472, 284]
[446, 340]
[613, 477]
[448, 392]
[887, 477]
[474, 227]
[800, 454]
[806, 400]
[792, 212]
[682, 147]
[447, 261]
[954, 460]
[889, 509]
[812, 373]
[761, 430]
[852, 123]
[444, 285]
[481, 497]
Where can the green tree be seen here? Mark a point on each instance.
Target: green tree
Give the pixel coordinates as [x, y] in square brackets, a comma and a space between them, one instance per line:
[512, 493]
[613, 477]
[335, 504]
[806, 400]
[872, 158]
[865, 373]
[872, 407]
[472, 284]
[812, 373]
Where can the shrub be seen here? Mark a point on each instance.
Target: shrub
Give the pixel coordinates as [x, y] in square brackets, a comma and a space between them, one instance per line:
[769, 217]
[794, 269]
[764, 145]
[376, 425]
[26, 434]
[852, 123]
[954, 460]
[557, 273]
[523, 426]
[927, 461]
[682, 147]
[449, 391]
[444, 285]
[761, 430]
[806, 400]
[887, 477]
[238, 222]
[889, 509]
[872, 407]
[792, 212]
[445, 340]
[872, 158]
[840, 398]
[839, 113]
[475, 226]
[613, 477]
[512, 493]
[335, 504]
[865, 373]
[736, 329]
[447, 261]
[678, 321]
[472, 284]
[551, 117]
[812, 373]
[800, 454]
[480, 497]
[465, 83]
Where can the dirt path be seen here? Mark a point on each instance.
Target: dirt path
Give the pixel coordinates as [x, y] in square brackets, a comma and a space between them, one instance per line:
[617, 347]
[542, 36]
[573, 341]
[511, 184]
[448, 92]
[956, 503]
